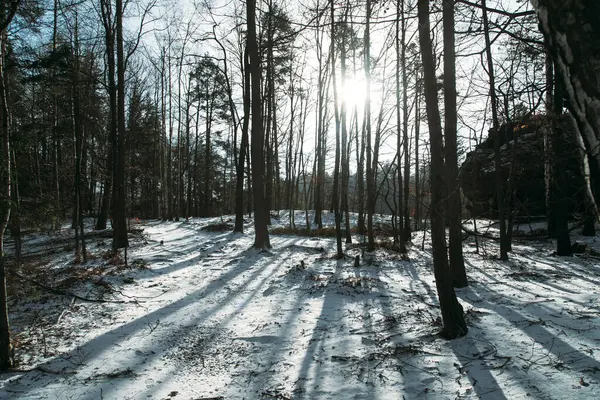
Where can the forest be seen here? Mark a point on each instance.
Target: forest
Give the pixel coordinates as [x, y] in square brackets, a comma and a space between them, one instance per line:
[317, 199]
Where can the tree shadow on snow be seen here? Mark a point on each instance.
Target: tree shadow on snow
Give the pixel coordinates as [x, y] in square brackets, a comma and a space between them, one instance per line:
[149, 332]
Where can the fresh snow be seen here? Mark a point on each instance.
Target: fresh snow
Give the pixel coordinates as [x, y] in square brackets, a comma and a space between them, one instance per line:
[212, 318]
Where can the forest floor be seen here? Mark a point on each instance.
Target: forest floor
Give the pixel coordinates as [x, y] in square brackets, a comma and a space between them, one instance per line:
[199, 314]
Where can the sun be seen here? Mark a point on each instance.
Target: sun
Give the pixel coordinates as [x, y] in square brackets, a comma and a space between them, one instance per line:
[353, 92]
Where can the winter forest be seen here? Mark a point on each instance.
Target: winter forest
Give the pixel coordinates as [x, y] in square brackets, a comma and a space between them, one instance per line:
[284, 199]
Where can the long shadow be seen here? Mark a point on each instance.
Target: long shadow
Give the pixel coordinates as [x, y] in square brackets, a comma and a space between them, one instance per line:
[571, 266]
[483, 382]
[311, 375]
[102, 343]
[575, 359]
[217, 243]
[413, 273]
[222, 323]
[280, 352]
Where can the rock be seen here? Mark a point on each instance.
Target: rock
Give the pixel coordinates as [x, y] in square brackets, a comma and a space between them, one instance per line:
[477, 173]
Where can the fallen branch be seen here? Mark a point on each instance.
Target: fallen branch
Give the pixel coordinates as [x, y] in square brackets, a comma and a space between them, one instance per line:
[42, 369]
[63, 292]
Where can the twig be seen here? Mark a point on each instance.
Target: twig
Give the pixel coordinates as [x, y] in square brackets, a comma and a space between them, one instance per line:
[62, 314]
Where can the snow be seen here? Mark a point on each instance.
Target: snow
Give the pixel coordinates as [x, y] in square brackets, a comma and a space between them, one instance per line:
[210, 317]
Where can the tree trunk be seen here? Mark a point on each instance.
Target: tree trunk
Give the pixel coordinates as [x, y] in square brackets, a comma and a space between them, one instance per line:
[548, 152]
[261, 238]
[572, 35]
[119, 214]
[417, 216]
[457, 262]
[344, 145]
[369, 150]
[452, 311]
[560, 183]
[399, 113]
[336, 174]
[403, 66]
[239, 185]
[107, 22]
[6, 359]
[320, 136]
[498, 132]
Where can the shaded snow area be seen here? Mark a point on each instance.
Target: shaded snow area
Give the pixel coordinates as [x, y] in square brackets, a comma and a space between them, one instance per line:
[199, 314]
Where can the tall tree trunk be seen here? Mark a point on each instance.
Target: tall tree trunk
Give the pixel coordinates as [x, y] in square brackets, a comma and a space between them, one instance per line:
[498, 134]
[370, 173]
[6, 15]
[109, 36]
[403, 63]
[336, 173]
[55, 133]
[207, 154]
[261, 238]
[417, 216]
[164, 209]
[320, 134]
[399, 112]
[548, 152]
[170, 210]
[457, 262]
[560, 179]
[344, 145]
[80, 251]
[452, 311]
[119, 215]
[239, 186]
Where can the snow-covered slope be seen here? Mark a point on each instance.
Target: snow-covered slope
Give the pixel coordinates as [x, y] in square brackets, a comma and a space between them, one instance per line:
[213, 318]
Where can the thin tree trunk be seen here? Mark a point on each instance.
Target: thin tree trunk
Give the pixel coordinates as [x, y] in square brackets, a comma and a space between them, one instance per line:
[452, 312]
[400, 63]
[497, 131]
[457, 262]
[404, 45]
[417, 216]
[336, 173]
[369, 150]
[239, 188]
[107, 21]
[119, 215]
[6, 356]
[344, 145]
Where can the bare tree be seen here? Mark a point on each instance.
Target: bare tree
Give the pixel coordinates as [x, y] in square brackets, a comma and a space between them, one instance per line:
[261, 238]
[457, 262]
[7, 12]
[452, 311]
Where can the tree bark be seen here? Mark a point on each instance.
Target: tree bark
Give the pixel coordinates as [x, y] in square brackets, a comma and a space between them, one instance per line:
[239, 185]
[6, 16]
[369, 150]
[119, 213]
[109, 37]
[261, 235]
[571, 31]
[452, 312]
[401, 112]
[336, 174]
[457, 262]
[498, 132]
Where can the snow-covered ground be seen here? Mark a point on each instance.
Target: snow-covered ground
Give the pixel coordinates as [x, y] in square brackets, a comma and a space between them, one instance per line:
[202, 315]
